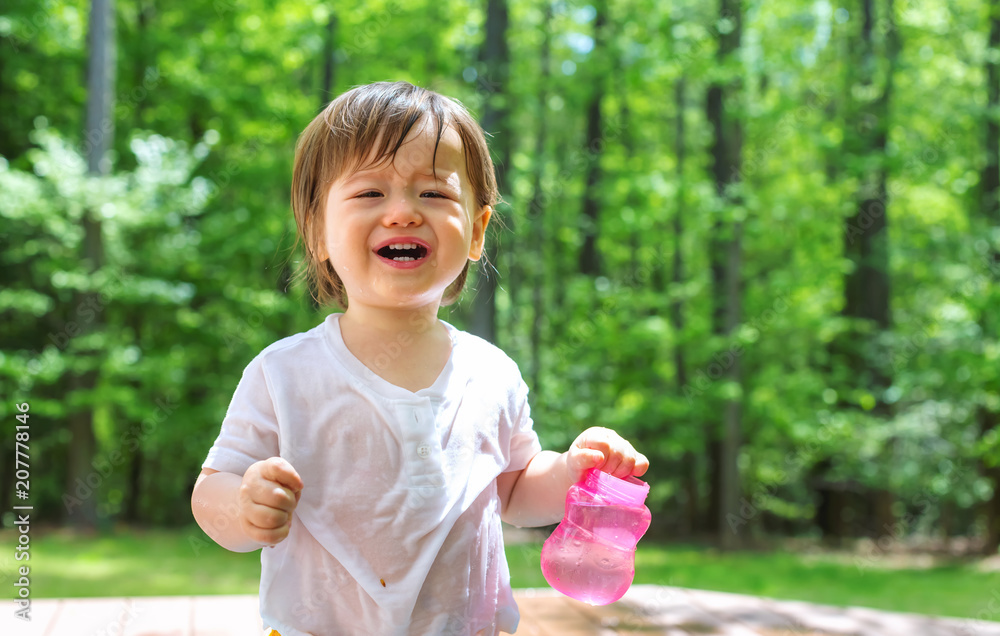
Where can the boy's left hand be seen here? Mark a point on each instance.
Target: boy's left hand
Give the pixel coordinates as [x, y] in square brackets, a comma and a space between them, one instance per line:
[602, 448]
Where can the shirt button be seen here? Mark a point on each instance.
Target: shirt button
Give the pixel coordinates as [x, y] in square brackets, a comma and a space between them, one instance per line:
[424, 451]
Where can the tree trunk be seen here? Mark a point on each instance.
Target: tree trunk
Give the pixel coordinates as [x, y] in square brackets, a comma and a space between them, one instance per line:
[98, 136]
[631, 201]
[726, 264]
[946, 522]
[99, 132]
[145, 12]
[689, 465]
[713, 521]
[536, 213]
[866, 240]
[590, 262]
[866, 245]
[990, 180]
[133, 493]
[495, 61]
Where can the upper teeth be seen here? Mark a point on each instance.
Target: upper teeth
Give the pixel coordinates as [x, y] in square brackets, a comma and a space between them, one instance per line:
[403, 246]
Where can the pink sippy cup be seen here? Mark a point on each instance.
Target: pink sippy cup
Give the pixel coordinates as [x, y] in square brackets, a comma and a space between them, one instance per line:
[591, 555]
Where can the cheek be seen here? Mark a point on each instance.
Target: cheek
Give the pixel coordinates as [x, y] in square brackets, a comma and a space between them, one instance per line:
[337, 259]
[337, 244]
[461, 225]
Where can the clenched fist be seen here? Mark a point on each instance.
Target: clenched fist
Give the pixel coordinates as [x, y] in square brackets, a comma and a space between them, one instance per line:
[599, 447]
[268, 495]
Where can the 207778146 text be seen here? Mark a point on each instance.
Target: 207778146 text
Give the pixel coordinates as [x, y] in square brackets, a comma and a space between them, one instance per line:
[22, 551]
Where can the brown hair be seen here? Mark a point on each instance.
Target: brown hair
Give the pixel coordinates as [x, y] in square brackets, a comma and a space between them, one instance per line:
[370, 123]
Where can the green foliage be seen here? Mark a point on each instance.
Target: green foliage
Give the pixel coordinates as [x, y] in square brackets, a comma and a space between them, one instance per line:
[196, 233]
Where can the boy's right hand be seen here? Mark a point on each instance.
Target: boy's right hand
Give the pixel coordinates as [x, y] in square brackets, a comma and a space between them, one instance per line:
[269, 493]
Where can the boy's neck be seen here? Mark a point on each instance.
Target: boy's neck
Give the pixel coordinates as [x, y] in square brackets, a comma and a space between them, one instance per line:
[405, 348]
[368, 322]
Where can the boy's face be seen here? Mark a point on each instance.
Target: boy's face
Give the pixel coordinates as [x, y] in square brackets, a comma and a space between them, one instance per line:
[395, 235]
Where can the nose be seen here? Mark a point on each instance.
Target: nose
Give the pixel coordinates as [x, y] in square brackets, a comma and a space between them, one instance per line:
[402, 212]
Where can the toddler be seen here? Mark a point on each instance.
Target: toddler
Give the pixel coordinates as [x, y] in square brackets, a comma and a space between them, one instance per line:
[374, 456]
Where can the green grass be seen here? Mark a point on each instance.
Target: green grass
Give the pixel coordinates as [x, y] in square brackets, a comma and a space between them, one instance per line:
[135, 563]
[948, 590]
[162, 562]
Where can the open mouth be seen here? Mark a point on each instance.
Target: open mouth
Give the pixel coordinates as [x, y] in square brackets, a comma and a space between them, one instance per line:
[403, 252]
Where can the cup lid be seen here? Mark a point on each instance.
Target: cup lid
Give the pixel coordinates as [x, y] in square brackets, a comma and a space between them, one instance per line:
[630, 490]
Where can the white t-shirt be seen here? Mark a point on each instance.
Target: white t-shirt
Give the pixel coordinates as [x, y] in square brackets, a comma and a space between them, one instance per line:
[397, 531]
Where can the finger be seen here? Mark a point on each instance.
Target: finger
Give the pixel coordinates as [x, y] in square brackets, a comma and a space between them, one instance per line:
[609, 443]
[582, 459]
[641, 465]
[277, 469]
[273, 495]
[628, 457]
[593, 442]
[266, 536]
[266, 517]
[624, 468]
[621, 458]
[255, 490]
[612, 465]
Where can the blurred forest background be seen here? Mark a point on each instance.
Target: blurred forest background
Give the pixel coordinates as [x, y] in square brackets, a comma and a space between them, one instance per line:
[760, 239]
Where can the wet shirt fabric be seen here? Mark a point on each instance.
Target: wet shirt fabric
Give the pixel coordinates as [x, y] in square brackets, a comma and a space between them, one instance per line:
[397, 530]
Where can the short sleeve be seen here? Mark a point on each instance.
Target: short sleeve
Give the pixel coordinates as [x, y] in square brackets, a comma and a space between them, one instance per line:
[524, 442]
[250, 429]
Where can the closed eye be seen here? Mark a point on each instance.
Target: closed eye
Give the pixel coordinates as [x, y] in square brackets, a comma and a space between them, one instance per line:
[370, 194]
[433, 194]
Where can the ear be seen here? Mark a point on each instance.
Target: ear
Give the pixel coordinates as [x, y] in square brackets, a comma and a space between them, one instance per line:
[479, 223]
